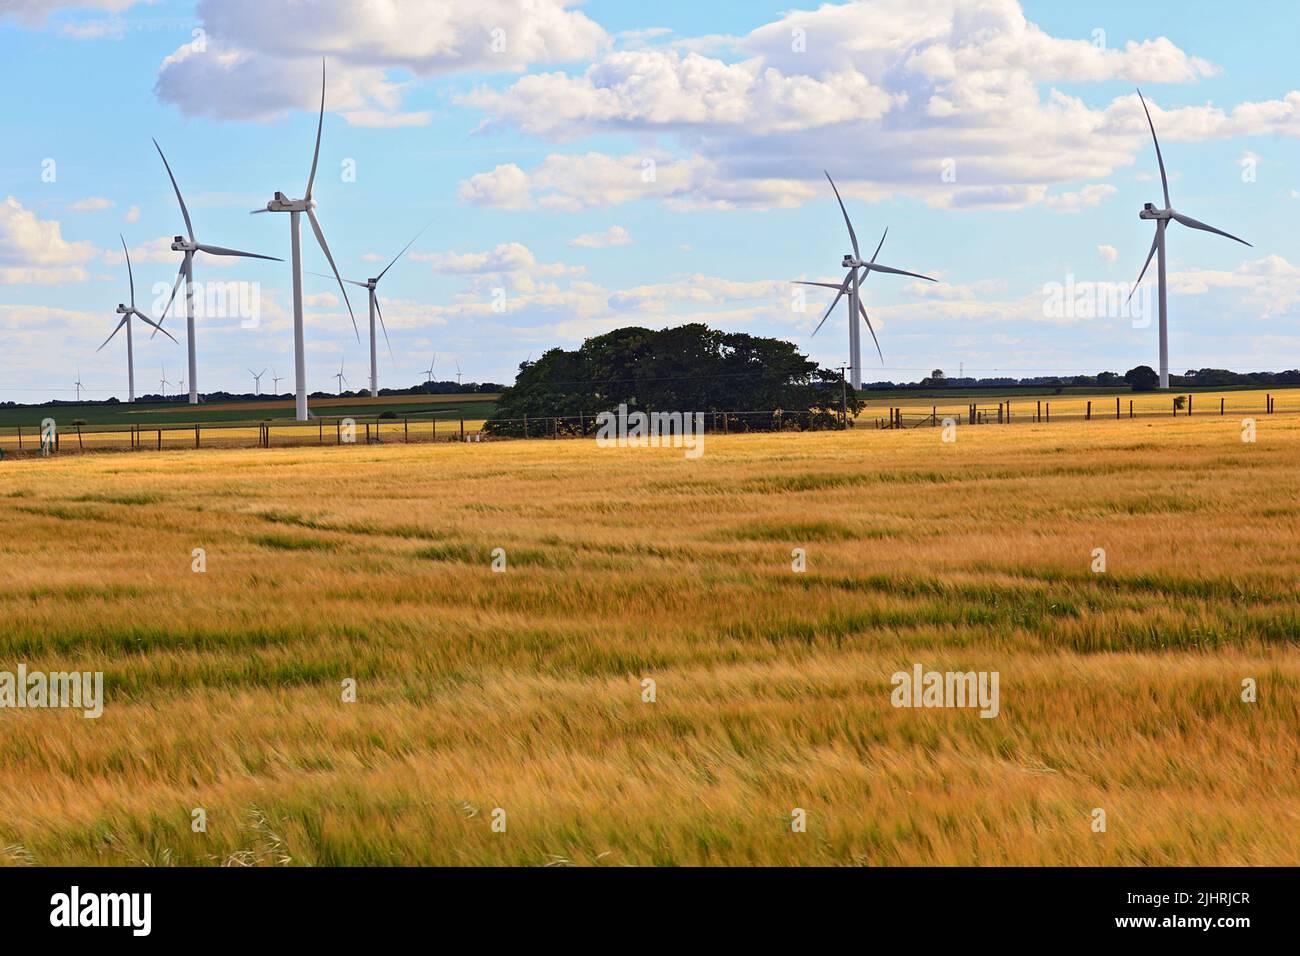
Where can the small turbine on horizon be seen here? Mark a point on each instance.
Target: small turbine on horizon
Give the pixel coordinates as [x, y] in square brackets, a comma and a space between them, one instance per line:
[342, 379]
[162, 381]
[126, 312]
[275, 381]
[78, 384]
[257, 381]
[852, 287]
[458, 372]
[1162, 217]
[295, 208]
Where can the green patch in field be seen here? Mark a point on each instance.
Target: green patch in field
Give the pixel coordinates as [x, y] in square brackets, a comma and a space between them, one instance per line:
[450, 551]
[793, 532]
[142, 498]
[282, 542]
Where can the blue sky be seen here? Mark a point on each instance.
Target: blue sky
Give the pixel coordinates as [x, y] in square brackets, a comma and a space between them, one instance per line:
[529, 164]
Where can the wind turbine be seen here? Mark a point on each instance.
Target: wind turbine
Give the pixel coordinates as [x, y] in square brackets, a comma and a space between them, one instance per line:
[370, 286]
[428, 373]
[457, 373]
[162, 382]
[126, 311]
[78, 384]
[295, 208]
[257, 380]
[186, 274]
[852, 287]
[1162, 217]
[275, 382]
[342, 379]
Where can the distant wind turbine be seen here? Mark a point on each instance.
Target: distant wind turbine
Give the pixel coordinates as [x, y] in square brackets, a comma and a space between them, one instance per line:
[275, 382]
[126, 312]
[188, 247]
[428, 373]
[852, 287]
[257, 380]
[1162, 217]
[162, 381]
[458, 372]
[295, 208]
[342, 379]
[78, 383]
[370, 285]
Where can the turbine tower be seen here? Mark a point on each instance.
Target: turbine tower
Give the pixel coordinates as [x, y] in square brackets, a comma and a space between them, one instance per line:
[852, 287]
[370, 286]
[257, 380]
[126, 311]
[1162, 218]
[295, 208]
[186, 274]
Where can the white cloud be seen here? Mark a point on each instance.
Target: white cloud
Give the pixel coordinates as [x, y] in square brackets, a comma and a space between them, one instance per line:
[92, 204]
[33, 250]
[1107, 253]
[132, 215]
[262, 57]
[613, 236]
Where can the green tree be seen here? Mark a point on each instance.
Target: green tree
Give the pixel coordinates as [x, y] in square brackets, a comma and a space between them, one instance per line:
[1143, 378]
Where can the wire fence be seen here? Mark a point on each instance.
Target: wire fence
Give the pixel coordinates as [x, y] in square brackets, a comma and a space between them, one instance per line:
[31, 441]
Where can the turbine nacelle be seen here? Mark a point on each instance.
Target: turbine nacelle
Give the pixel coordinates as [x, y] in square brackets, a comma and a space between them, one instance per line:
[850, 261]
[181, 244]
[282, 203]
[1149, 211]
[123, 309]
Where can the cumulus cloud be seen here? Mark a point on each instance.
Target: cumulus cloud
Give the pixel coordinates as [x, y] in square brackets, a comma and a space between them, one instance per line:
[261, 58]
[33, 250]
[92, 204]
[1107, 253]
[943, 100]
[613, 236]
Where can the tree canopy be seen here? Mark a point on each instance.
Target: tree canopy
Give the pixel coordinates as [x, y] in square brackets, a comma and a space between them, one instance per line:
[690, 368]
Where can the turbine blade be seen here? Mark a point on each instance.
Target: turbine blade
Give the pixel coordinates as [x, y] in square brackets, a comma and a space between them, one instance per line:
[853, 237]
[114, 332]
[403, 252]
[379, 312]
[320, 123]
[882, 242]
[184, 212]
[824, 285]
[129, 275]
[323, 275]
[320, 237]
[1195, 224]
[223, 251]
[258, 212]
[871, 330]
[839, 295]
[176, 288]
[872, 267]
[157, 328]
[1164, 180]
[1154, 243]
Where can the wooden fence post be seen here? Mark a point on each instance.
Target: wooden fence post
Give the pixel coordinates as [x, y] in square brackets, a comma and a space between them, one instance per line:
[81, 446]
[406, 430]
[462, 429]
[1088, 414]
[1189, 404]
[1130, 408]
[196, 436]
[1116, 407]
[1220, 405]
[1049, 411]
[160, 439]
[20, 437]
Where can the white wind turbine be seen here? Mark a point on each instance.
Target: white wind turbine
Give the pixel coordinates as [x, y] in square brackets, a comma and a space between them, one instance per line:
[186, 274]
[257, 380]
[275, 382]
[428, 373]
[1162, 217]
[457, 372]
[162, 381]
[78, 383]
[370, 285]
[342, 379]
[126, 312]
[295, 208]
[852, 287]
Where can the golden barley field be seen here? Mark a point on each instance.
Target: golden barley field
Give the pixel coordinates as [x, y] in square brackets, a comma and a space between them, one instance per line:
[522, 690]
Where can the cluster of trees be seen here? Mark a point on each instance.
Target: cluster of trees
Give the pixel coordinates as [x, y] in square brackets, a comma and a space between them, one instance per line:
[691, 368]
[427, 388]
[1142, 378]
